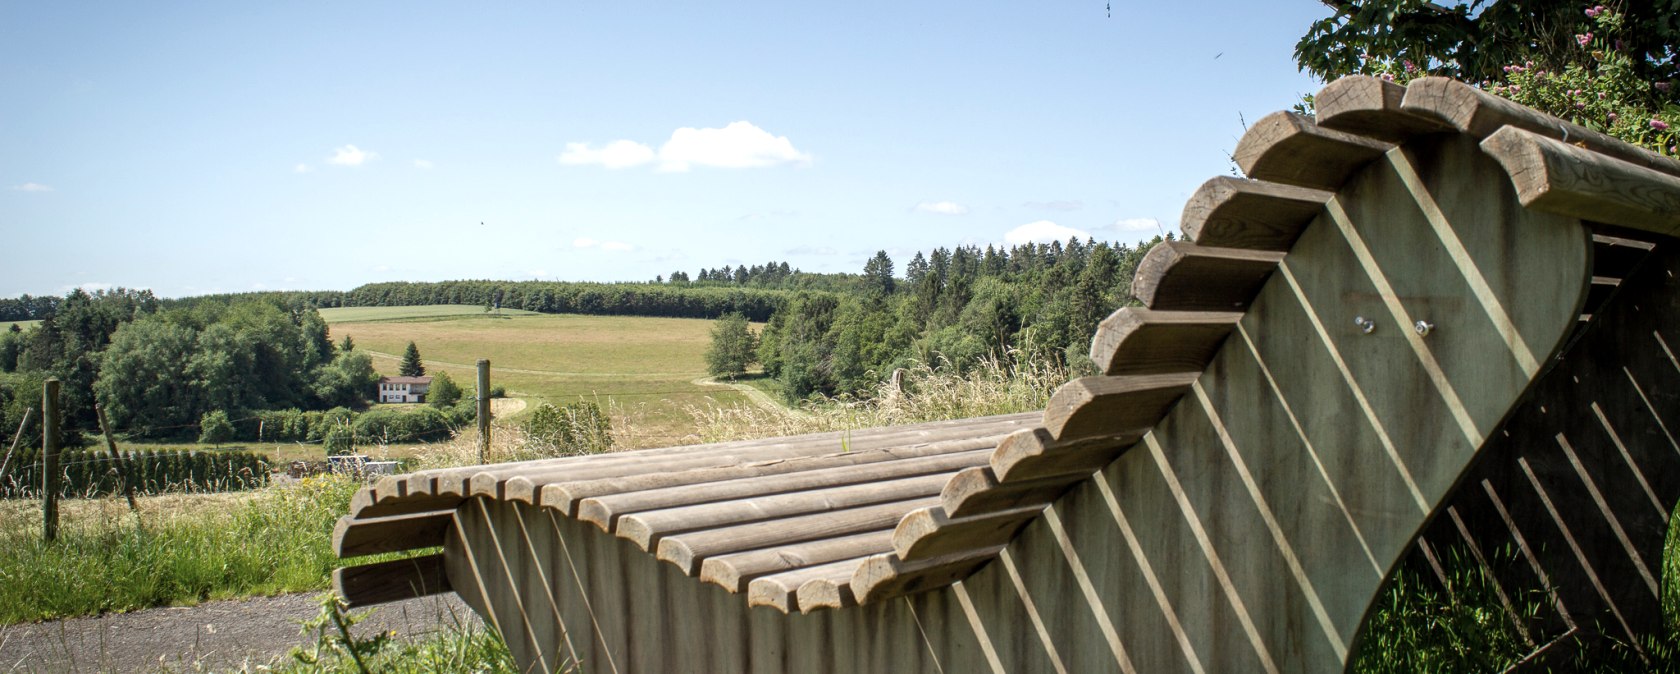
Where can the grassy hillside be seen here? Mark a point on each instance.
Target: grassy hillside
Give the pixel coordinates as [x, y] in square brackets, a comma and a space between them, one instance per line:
[643, 370]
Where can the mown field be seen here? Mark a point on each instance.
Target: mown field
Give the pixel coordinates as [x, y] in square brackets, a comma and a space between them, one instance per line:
[647, 372]
[22, 325]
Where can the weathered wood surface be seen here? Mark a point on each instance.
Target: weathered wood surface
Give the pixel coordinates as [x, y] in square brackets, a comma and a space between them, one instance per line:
[977, 491]
[395, 580]
[733, 571]
[929, 532]
[1288, 148]
[353, 537]
[1227, 212]
[1556, 177]
[1576, 491]
[1179, 276]
[1371, 107]
[1095, 407]
[688, 550]
[1036, 454]
[1481, 114]
[1135, 340]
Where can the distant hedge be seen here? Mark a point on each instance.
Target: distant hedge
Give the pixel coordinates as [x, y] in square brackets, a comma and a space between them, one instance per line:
[92, 472]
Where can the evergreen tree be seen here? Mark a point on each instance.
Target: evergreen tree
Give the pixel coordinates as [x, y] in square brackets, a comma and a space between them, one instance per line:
[878, 274]
[347, 345]
[411, 366]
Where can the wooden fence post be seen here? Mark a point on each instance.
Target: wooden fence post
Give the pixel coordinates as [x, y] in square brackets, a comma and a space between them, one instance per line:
[123, 472]
[50, 440]
[483, 411]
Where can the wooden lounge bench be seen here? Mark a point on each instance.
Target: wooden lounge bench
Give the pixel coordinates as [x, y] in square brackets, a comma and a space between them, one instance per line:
[1428, 318]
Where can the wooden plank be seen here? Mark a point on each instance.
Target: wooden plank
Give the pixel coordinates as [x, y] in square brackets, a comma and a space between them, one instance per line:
[1181, 276]
[1095, 407]
[1599, 293]
[883, 577]
[645, 529]
[734, 571]
[1371, 107]
[1135, 340]
[355, 537]
[1288, 148]
[1482, 114]
[1230, 212]
[688, 550]
[1035, 454]
[926, 533]
[1616, 257]
[568, 497]
[604, 511]
[1556, 177]
[780, 590]
[391, 581]
[976, 491]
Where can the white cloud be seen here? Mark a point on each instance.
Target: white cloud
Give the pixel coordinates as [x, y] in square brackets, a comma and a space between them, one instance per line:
[942, 208]
[302, 168]
[1136, 225]
[351, 155]
[32, 187]
[738, 145]
[615, 155]
[586, 242]
[1042, 231]
[422, 163]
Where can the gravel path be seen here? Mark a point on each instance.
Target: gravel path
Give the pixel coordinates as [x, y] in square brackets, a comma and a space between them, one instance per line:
[213, 636]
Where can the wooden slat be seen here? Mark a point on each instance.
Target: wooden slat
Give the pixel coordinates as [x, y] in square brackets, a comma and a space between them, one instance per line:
[1482, 114]
[1555, 177]
[1616, 257]
[568, 497]
[604, 511]
[926, 533]
[1288, 148]
[355, 537]
[1091, 407]
[524, 485]
[977, 491]
[645, 529]
[688, 550]
[1035, 454]
[734, 571]
[1598, 293]
[1232, 212]
[780, 591]
[391, 581]
[363, 508]
[1175, 275]
[1371, 107]
[1135, 340]
[886, 576]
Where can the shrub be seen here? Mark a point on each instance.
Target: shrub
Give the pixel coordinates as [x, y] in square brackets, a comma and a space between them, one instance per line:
[573, 428]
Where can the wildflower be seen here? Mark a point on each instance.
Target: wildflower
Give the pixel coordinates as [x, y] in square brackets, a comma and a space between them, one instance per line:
[1583, 39]
[1580, 105]
[1593, 12]
[1387, 77]
[1659, 124]
[1612, 117]
[1662, 87]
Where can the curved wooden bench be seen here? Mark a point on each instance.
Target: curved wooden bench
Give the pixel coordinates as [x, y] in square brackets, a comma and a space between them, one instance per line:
[1369, 337]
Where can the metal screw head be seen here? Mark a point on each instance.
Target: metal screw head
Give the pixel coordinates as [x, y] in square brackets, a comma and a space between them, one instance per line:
[1366, 325]
[1423, 328]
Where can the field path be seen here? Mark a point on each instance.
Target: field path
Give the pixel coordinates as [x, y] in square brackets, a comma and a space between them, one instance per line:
[607, 375]
[757, 397]
[213, 636]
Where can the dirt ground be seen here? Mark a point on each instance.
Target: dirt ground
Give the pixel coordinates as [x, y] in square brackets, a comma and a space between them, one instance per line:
[214, 636]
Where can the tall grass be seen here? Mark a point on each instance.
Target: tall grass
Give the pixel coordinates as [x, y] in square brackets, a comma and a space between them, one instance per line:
[183, 548]
[925, 392]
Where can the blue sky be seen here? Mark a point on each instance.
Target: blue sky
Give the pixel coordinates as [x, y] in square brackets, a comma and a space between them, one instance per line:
[226, 147]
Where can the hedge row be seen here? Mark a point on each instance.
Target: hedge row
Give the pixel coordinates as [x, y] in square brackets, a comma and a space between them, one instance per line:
[90, 472]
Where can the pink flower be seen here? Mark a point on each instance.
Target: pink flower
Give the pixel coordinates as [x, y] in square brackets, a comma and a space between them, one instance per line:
[1662, 87]
[1592, 13]
[1611, 116]
[1579, 105]
[1659, 124]
[1584, 39]
[1387, 77]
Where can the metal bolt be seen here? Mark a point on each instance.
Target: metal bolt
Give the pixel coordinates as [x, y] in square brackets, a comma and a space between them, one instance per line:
[1423, 328]
[1366, 325]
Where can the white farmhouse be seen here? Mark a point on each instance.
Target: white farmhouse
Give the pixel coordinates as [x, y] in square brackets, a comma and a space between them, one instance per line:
[403, 389]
